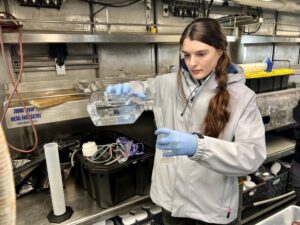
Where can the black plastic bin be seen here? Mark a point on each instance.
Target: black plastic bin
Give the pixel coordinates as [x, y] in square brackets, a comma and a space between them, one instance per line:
[262, 81]
[111, 184]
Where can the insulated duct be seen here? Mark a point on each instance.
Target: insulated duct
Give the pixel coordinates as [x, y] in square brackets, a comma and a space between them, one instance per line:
[7, 187]
[279, 5]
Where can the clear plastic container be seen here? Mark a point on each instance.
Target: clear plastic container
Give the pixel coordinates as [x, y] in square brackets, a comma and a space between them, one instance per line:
[159, 124]
[284, 217]
[108, 109]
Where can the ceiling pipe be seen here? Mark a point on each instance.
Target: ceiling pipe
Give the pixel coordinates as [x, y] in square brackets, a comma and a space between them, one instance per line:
[279, 5]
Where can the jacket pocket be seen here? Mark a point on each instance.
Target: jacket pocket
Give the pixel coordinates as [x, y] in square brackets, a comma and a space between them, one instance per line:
[227, 199]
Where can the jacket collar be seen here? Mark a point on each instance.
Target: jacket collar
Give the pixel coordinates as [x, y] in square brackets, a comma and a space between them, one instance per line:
[209, 82]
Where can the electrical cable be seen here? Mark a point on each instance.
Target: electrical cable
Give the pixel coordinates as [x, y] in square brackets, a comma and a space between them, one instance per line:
[99, 10]
[116, 5]
[190, 98]
[11, 27]
[209, 8]
[260, 15]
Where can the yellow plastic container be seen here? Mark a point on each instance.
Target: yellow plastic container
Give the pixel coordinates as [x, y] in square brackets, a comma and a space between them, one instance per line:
[262, 81]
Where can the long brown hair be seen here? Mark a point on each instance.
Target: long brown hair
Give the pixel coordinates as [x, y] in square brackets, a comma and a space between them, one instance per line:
[209, 31]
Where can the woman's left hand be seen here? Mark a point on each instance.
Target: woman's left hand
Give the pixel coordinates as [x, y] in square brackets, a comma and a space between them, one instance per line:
[176, 142]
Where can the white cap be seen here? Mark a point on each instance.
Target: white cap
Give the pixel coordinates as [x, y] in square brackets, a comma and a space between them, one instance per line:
[89, 148]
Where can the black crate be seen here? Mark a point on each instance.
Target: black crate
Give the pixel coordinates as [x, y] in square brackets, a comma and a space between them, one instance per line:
[255, 194]
[278, 185]
[277, 83]
[252, 84]
[266, 84]
[284, 82]
[111, 184]
[266, 189]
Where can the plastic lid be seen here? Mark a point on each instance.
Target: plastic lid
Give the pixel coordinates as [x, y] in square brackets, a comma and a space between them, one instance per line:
[275, 72]
[89, 148]
[155, 209]
[128, 220]
[140, 215]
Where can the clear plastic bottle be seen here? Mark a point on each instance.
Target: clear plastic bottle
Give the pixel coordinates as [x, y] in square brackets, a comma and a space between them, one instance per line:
[111, 109]
[159, 124]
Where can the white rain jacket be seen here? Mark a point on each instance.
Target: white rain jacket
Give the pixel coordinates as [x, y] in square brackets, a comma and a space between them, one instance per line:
[205, 187]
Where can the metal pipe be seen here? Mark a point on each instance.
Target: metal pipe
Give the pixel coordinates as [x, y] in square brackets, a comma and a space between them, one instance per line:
[283, 5]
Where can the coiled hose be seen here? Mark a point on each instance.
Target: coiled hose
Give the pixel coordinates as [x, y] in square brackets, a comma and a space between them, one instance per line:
[7, 187]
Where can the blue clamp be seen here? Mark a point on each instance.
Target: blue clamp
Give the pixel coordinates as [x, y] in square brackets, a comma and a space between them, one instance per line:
[269, 63]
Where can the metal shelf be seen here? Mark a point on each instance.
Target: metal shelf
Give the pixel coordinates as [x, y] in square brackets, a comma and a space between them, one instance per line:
[86, 210]
[278, 147]
[37, 38]
[255, 39]
[268, 209]
[276, 105]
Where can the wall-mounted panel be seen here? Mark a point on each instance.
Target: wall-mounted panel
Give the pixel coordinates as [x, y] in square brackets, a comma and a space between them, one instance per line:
[125, 62]
[168, 56]
[256, 53]
[288, 24]
[133, 14]
[39, 66]
[285, 52]
[73, 11]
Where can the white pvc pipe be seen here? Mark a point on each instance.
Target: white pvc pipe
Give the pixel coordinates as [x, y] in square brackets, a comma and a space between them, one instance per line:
[254, 67]
[7, 187]
[55, 180]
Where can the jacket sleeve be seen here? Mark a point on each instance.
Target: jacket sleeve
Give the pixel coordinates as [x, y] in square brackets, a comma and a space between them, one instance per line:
[242, 156]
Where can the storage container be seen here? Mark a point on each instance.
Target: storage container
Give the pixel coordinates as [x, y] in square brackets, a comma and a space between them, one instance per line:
[151, 216]
[267, 188]
[263, 81]
[255, 194]
[111, 184]
[284, 217]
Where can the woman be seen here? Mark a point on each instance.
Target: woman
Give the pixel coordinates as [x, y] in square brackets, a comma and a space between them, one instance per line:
[206, 96]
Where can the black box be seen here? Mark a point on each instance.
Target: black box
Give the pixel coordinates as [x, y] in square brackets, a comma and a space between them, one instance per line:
[262, 81]
[111, 184]
[255, 194]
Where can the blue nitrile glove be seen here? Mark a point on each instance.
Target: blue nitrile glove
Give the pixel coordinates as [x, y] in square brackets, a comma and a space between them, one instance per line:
[176, 142]
[123, 89]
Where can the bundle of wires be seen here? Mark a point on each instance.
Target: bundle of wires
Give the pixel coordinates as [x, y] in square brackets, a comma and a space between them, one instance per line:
[119, 151]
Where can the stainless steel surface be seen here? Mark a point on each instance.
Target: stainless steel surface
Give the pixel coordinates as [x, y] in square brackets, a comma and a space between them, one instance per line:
[278, 105]
[278, 147]
[254, 39]
[43, 86]
[35, 38]
[33, 208]
[125, 62]
[267, 209]
[11, 38]
[16, 117]
[53, 68]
